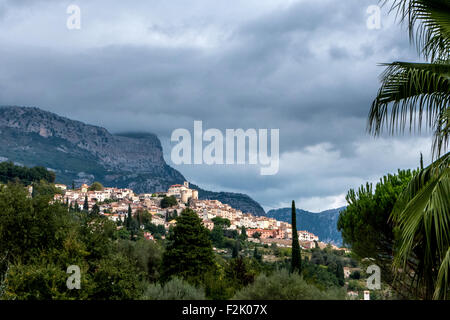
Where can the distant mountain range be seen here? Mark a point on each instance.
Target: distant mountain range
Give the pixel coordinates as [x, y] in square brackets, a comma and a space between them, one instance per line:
[84, 153]
[322, 224]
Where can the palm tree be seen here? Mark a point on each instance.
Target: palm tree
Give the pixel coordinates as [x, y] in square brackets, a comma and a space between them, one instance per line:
[410, 92]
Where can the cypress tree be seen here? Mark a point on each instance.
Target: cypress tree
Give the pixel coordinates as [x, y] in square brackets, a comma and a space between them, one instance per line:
[340, 273]
[296, 262]
[236, 248]
[421, 161]
[95, 210]
[244, 233]
[129, 217]
[86, 204]
[257, 255]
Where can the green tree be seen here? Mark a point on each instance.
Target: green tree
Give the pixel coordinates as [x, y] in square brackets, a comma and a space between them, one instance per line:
[256, 255]
[131, 224]
[9, 172]
[167, 202]
[189, 251]
[146, 256]
[296, 262]
[366, 225]
[223, 222]
[256, 235]
[236, 248]
[117, 278]
[340, 273]
[356, 275]
[29, 224]
[95, 209]
[175, 289]
[76, 206]
[129, 218]
[415, 91]
[243, 235]
[44, 188]
[96, 186]
[282, 285]
[86, 204]
[217, 236]
[240, 273]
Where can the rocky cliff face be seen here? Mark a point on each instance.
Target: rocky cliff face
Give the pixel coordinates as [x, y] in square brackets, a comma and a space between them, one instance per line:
[322, 224]
[83, 153]
[136, 153]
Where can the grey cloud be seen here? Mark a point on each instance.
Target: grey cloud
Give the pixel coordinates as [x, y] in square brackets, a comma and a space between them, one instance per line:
[309, 70]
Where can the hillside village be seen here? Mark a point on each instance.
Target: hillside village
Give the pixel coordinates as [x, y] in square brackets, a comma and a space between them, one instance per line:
[114, 203]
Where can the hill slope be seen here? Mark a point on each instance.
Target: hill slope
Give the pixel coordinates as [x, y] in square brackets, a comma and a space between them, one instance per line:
[322, 224]
[83, 153]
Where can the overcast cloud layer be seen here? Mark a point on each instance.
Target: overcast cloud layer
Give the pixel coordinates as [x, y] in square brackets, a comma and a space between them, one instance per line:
[307, 67]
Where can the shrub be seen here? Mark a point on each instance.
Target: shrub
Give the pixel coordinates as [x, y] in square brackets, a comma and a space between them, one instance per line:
[284, 286]
[175, 289]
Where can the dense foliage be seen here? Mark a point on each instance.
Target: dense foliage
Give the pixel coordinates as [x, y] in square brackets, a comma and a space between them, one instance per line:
[167, 202]
[365, 223]
[412, 95]
[189, 251]
[283, 285]
[40, 239]
[11, 172]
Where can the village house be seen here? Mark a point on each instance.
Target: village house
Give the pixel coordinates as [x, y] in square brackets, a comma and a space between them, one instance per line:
[114, 204]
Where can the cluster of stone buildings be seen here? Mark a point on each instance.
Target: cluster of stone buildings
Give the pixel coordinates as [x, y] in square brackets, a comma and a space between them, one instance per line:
[114, 203]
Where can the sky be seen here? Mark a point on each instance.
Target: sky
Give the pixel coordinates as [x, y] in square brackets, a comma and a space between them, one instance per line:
[306, 67]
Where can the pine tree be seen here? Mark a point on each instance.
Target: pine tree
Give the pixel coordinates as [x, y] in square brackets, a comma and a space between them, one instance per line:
[296, 262]
[73, 185]
[189, 251]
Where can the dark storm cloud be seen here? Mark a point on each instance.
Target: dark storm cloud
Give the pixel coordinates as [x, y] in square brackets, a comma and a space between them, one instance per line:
[308, 69]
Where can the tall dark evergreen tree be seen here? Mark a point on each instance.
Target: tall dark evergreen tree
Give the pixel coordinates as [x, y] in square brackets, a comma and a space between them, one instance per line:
[340, 273]
[296, 262]
[189, 251]
[129, 218]
[95, 210]
[86, 204]
[421, 161]
[236, 249]
[257, 255]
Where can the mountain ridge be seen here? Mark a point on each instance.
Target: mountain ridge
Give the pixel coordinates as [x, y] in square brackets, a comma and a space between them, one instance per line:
[323, 224]
[82, 153]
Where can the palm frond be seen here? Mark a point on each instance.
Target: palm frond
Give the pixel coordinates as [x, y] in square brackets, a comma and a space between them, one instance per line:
[412, 89]
[428, 24]
[441, 133]
[422, 215]
[443, 280]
